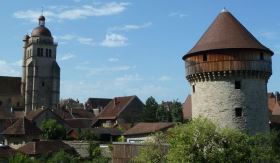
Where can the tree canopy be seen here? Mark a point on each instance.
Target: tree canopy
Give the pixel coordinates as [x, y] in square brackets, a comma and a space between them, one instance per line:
[203, 141]
[53, 130]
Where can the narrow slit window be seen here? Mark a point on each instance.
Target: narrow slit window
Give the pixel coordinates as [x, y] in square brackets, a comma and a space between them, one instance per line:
[193, 88]
[204, 57]
[238, 112]
[38, 51]
[43, 84]
[237, 84]
[261, 57]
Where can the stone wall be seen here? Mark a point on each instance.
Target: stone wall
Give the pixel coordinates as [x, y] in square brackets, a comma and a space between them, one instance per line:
[217, 100]
[80, 146]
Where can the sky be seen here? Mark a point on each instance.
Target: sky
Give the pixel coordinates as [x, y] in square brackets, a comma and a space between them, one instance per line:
[131, 47]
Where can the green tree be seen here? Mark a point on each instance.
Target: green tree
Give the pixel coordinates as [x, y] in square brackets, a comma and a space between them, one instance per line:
[153, 151]
[150, 110]
[20, 158]
[53, 130]
[176, 111]
[201, 140]
[87, 135]
[63, 157]
[95, 153]
[162, 114]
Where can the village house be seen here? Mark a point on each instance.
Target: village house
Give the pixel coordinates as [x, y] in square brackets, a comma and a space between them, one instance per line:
[120, 110]
[21, 132]
[96, 105]
[143, 131]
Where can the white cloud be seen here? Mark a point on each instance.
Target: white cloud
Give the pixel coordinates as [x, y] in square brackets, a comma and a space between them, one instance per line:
[95, 71]
[113, 59]
[72, 13]
[269, 35]
[127, 78]
[7, 69]
[67, 57]
[80, 39]
[164, 78]
[85, 41]
[114, 40]
[129, 27]
[177, 14]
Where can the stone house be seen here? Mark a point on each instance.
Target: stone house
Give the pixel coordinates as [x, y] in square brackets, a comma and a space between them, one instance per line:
[38, 116]
[127, 109]
[21, 132]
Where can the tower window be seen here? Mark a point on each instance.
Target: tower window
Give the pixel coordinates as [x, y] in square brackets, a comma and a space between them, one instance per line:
[238, 112]
[237, 84]
[39, 52]
[50, 52]
[193, 88]
[204, 57]
[47, 52]
[261, 56]
[43, 84]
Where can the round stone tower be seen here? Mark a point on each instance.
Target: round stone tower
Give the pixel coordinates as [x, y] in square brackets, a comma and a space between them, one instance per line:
[228, 70]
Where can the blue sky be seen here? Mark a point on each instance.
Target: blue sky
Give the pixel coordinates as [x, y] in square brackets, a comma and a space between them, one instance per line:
[131, 47]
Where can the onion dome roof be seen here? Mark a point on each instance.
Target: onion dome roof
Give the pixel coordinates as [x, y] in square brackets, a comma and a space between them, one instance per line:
[41, 30]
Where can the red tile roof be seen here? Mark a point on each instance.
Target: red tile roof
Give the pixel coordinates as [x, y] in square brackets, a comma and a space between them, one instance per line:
[35, 113]
[6, 151]
[187, 108]
[115, 107]
[45, 147]
[148, 128]
[97, 102]
[13, 88]
[73, 113]
[22, 127]
[79, 122]
[226, 32]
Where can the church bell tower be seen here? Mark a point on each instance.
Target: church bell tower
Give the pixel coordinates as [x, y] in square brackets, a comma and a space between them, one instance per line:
[41, 73]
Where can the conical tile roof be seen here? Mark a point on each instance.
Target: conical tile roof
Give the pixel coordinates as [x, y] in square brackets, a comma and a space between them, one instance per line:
[226, 32]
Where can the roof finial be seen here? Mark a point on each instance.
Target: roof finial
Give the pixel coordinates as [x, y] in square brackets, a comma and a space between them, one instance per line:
[224, 10]
[42, 11]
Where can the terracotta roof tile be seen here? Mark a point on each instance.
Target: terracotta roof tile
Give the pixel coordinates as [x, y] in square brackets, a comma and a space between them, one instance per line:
[115, 107]
[35, 113]
[13, 88]
[22, 127]
[97, 102]
[6, 151]
[45, 147]
[79, 122]
[148, 128]
[76, 113]
[226, 32]
[110, 131]
[187, 108]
